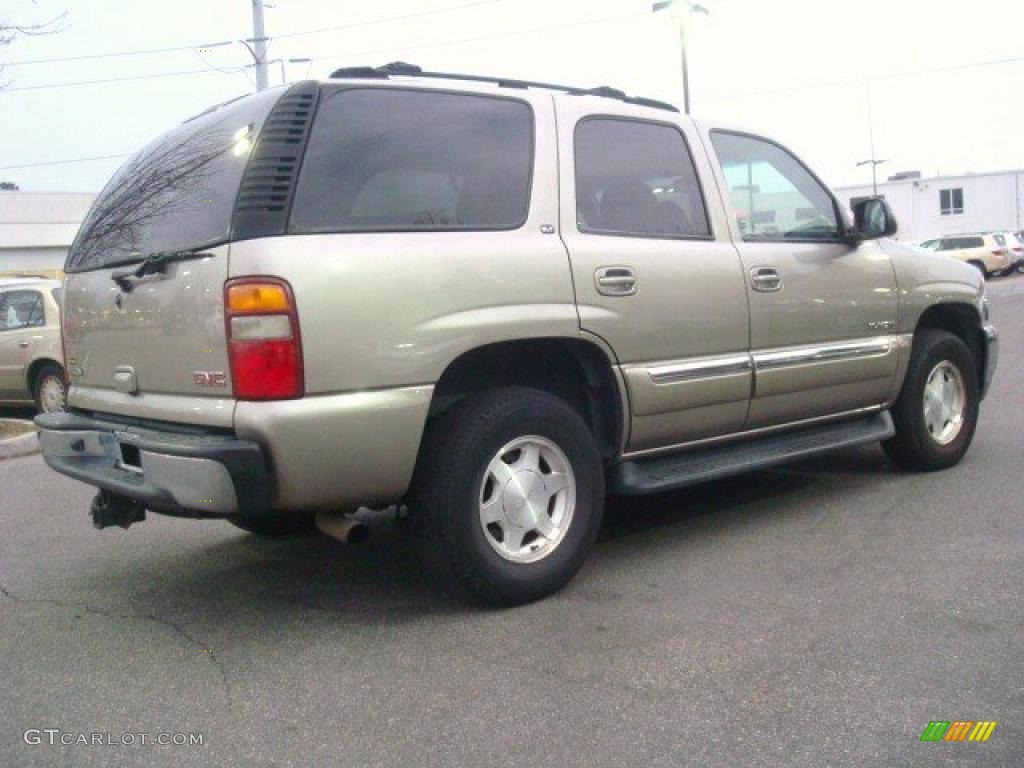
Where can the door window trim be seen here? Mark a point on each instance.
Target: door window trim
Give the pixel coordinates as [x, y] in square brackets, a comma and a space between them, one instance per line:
[838, 239]
[643, 236]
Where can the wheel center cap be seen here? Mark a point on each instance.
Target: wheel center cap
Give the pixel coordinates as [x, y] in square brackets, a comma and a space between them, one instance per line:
[517, 498]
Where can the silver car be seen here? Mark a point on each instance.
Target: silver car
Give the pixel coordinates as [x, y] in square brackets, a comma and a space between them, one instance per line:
[31, 359]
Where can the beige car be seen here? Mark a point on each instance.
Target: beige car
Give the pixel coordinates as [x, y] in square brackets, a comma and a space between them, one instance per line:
[491, 302]
[991, 254]
[31, 361]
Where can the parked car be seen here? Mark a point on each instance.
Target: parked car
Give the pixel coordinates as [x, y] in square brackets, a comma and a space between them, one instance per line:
[1015, 246]
[988, 252]
[491, 302]
[31, 360]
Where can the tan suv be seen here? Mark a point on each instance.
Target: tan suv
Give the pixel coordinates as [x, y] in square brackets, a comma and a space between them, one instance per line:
[991, 254]
[492, 302]
[31, 362]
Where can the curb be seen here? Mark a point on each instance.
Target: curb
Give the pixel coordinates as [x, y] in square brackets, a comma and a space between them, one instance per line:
[22, 445]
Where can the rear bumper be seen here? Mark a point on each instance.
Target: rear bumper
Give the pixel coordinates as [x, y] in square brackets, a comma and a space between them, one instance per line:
[170, 472]
[991, 357]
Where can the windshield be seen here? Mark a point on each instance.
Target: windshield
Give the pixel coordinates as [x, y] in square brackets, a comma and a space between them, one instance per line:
[177, 193]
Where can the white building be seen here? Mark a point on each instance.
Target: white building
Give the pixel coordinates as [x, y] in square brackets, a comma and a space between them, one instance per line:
[948, 205]
[36, 230]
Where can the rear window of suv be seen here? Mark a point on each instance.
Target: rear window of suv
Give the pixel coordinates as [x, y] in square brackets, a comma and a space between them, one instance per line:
[178, 192]
[386, 160]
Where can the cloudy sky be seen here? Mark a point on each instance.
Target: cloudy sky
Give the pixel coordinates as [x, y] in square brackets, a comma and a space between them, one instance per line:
[945, 80]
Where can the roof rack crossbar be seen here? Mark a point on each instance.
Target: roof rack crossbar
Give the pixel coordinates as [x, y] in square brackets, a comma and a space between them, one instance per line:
[411, 70]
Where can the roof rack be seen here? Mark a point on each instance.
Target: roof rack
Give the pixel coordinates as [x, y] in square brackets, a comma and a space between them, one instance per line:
[411, 70]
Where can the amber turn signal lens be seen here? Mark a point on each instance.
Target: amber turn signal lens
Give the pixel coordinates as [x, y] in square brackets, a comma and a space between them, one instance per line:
[257, 297]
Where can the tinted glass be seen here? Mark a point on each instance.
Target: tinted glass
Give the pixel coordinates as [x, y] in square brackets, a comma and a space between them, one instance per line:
[773, 195]
[1000, 240]
[955, 243]
[394, 160]
[177, 193]
[21, 309]
[635, 178]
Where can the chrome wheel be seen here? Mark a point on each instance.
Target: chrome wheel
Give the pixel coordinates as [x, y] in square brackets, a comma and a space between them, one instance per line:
[527, 499]
[944, 399]
[51, 395]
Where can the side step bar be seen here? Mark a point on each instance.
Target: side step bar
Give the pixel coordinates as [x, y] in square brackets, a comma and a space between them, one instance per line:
[666, 473]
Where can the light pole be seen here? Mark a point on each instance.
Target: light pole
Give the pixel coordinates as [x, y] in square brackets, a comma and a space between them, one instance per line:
[874, 177]
[690, 7]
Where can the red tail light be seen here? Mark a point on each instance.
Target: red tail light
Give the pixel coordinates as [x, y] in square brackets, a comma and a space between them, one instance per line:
[264, 345]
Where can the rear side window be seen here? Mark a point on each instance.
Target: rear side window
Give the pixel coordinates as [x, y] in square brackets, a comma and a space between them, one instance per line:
[387, 160]
[636, 178]
[21, 309]
[956, 243]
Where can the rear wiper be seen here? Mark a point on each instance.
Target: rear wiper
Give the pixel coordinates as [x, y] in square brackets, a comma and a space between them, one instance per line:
[153, 263]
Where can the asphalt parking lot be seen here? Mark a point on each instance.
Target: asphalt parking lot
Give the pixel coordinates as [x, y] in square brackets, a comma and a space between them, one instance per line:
[820, 614]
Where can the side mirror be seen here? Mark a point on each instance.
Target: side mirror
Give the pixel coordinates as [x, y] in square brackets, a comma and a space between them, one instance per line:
[872, 219]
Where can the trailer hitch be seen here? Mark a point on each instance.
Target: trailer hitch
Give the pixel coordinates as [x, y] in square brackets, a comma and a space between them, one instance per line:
[113, 509]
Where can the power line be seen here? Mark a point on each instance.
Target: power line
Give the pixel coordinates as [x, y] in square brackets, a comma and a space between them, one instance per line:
[370, 22]
[61, 162]
[862, 80]
[496, 36]
[174, 49]
[114, 54]
[206, 71]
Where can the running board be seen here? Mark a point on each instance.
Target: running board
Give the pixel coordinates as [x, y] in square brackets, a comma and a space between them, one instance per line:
[666, 473]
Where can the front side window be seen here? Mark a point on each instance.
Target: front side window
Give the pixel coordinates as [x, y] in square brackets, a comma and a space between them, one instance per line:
[382, 160]
[951, 201]
[636, 178]
[21, 309]
[773, 195]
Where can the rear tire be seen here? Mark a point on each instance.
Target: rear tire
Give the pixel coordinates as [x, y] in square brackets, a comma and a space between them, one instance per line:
[49, 390]
[276, 526]
[508, 495]
[937, 410]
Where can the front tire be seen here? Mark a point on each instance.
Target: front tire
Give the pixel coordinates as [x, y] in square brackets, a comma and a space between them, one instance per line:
[49, 390]
[937, 410]
[508, 495]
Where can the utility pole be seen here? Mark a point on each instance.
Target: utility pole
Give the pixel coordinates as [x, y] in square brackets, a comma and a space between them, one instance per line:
[259, 44]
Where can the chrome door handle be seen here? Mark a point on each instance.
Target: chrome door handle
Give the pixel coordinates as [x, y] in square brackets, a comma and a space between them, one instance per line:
[616, 281]
[22, 344]
[765, 280]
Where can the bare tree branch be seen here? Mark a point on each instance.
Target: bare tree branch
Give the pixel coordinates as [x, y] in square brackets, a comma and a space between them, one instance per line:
[11, 31]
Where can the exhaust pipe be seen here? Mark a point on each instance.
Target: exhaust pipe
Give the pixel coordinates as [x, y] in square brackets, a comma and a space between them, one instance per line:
[345, 529]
